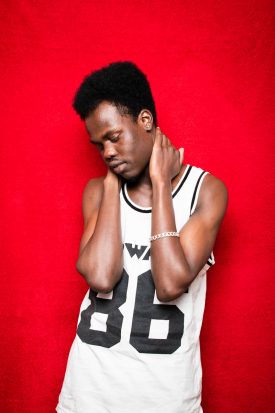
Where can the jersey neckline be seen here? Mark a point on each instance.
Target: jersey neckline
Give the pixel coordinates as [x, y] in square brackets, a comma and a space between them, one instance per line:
[139, 208]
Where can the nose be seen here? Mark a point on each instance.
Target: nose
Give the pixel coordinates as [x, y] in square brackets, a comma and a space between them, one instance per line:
[109, 150]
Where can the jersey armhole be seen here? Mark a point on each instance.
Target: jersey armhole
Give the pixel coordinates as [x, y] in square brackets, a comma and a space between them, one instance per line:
[211, 260]
[196, 192]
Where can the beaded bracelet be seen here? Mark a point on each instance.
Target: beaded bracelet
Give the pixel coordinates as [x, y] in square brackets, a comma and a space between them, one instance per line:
[164, 234]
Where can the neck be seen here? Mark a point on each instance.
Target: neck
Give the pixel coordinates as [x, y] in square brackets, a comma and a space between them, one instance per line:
[143, 180]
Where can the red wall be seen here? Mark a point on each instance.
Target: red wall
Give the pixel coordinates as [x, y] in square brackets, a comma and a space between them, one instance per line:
[211, 67]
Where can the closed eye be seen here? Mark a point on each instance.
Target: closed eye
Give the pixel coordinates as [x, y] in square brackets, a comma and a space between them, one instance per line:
[114, 138]
[98, 145]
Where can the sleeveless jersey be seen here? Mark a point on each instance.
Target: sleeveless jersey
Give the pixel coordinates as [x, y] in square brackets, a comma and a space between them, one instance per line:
[133, 353]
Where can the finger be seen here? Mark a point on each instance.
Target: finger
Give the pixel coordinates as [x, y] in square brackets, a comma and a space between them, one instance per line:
[158, 138]
[165, 141]
[181, 151]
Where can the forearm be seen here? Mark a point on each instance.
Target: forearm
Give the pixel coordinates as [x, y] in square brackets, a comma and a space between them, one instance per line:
[170, 268]
[101, 261]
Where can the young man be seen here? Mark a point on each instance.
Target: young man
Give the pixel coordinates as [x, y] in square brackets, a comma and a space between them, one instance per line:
[149, 229]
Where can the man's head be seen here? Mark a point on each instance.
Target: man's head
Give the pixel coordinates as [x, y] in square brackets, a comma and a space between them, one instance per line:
[117, 106]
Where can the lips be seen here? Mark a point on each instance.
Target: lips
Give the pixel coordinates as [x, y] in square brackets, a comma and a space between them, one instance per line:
[114, 164]
[117, 166]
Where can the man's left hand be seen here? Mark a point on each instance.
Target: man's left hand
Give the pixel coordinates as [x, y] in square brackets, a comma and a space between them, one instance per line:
[166, 160]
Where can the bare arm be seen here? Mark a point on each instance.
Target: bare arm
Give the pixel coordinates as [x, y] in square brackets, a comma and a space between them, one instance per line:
[100, 258]
[189, 253]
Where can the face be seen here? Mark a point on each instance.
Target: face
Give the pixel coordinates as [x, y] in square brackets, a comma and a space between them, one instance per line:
[124, 144]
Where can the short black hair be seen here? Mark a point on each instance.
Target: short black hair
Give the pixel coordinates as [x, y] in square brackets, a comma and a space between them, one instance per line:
[120, 83]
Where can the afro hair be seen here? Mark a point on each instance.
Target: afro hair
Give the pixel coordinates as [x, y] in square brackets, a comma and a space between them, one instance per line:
[120, 83]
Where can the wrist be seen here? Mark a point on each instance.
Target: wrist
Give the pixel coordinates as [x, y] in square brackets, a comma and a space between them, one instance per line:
[112, 182]
[160, 182]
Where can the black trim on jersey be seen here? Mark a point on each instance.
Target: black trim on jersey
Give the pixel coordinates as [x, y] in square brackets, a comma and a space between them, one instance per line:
[209, 262]
[149, 210]
[184, 179]
[195, 190]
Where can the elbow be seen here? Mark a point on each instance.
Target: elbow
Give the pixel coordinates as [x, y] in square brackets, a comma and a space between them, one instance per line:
[82, 270]
[166, 294]
[79, 267]
[174, 287]
[96, 282]
[171, 283]
[100, 286]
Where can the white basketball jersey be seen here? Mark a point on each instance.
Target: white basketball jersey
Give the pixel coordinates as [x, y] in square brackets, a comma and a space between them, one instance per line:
[133, 353]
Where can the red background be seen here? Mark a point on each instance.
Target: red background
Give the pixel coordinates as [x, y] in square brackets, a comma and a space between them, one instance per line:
[211, 68]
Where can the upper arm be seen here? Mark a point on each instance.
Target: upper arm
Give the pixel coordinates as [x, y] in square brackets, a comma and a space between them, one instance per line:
[197, 237]
[91, 199]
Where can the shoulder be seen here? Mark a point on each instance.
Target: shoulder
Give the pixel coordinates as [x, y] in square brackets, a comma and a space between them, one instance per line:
[213, 196]
[91, 196]
[93, 187]
[213, 186]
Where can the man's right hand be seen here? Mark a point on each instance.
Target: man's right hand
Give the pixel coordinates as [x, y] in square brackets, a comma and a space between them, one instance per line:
[112, 179]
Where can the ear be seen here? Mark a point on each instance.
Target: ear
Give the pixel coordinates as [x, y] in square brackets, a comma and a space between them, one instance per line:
[145, 120]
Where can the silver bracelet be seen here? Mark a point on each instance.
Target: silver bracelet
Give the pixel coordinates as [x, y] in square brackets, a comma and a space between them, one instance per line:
[164, 234]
